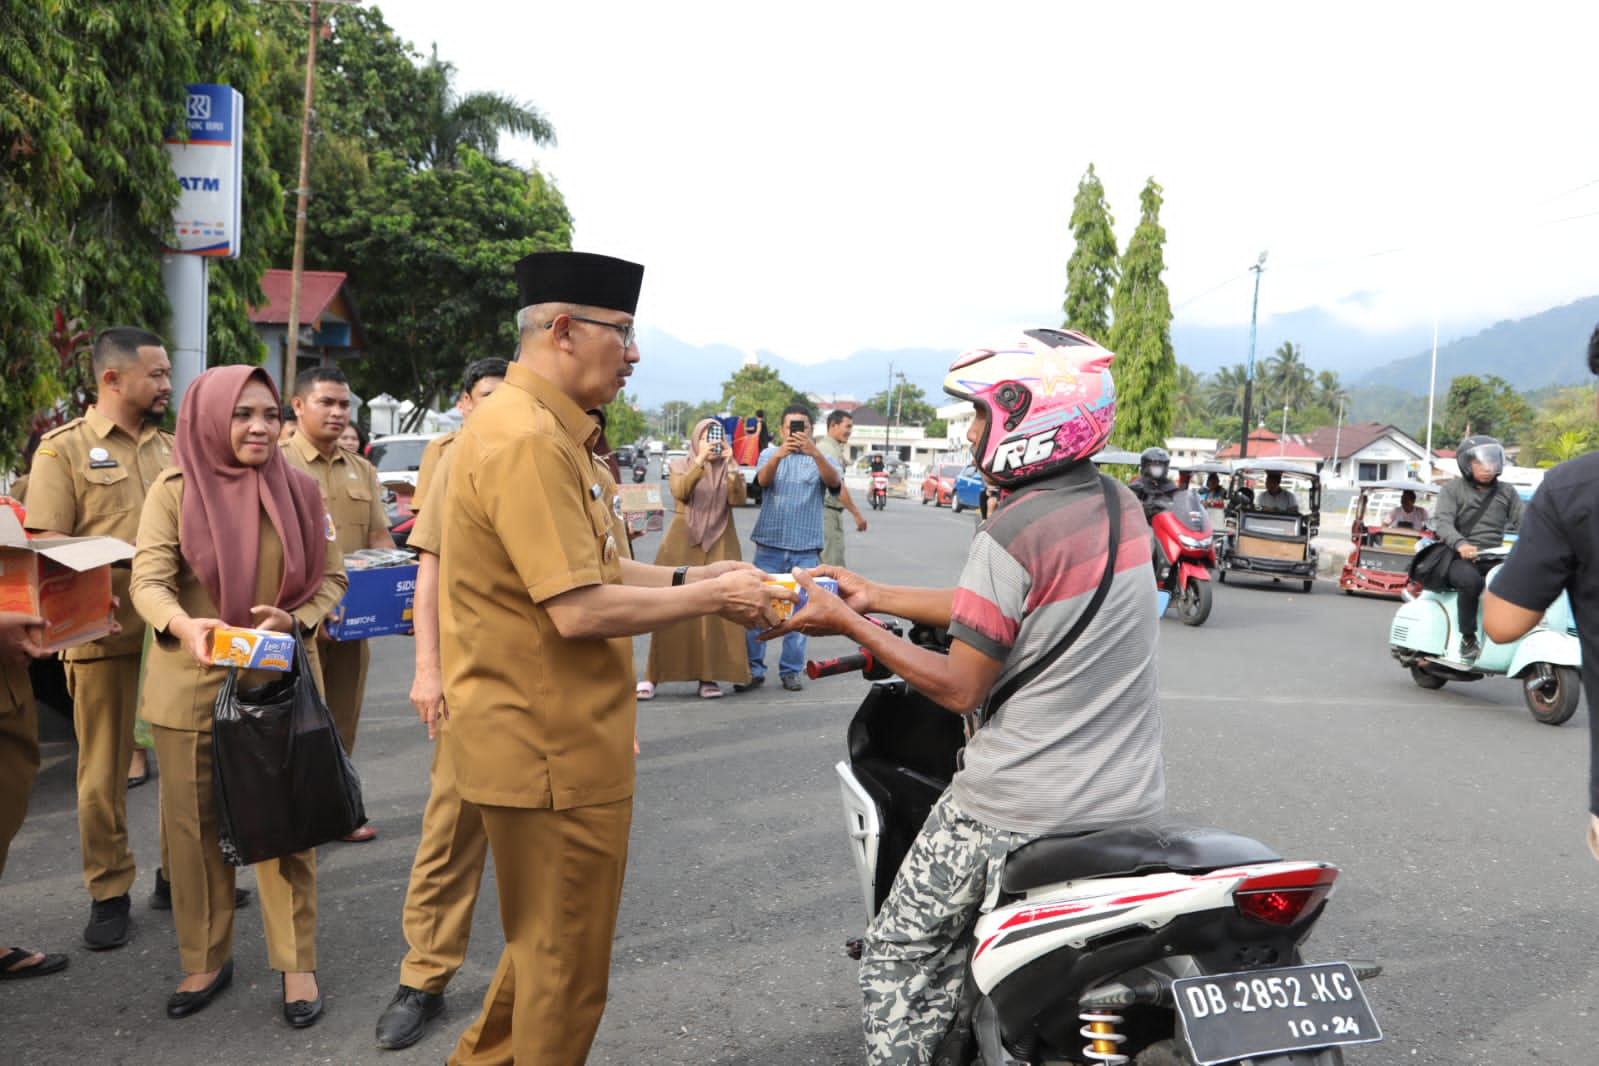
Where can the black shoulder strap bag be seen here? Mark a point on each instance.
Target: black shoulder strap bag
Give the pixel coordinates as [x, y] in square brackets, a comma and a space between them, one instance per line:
[1014, 683]
[1430, 566]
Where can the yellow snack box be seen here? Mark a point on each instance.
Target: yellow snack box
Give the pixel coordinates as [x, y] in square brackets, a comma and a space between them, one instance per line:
[252, 649]
[784, 608]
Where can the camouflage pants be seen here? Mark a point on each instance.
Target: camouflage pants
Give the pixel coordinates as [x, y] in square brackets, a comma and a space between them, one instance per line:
[913, 963]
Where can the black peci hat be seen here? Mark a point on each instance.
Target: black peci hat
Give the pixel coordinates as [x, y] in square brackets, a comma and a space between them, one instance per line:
[579, 278]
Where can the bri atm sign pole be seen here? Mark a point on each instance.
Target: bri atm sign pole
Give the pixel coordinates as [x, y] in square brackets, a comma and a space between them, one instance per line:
[208, 157]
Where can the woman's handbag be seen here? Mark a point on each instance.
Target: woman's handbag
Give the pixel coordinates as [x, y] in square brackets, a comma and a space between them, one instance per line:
[280, 776]
[1430, 566]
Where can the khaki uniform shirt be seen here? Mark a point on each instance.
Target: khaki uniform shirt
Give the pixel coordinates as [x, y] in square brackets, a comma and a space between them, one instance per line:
[179, 691]
[350, 490]
[428, 470]
[90, 480]
[833, 450]
[537, 720]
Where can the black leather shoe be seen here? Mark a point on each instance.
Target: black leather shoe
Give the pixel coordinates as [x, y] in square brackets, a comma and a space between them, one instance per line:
[302, 1013]
[183, 1004]
[1469, 649]
[161, 896]
[406, 1017]
[753, 683]
[109, 924]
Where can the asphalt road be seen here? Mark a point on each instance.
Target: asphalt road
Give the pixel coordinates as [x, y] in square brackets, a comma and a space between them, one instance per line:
[1457, 821]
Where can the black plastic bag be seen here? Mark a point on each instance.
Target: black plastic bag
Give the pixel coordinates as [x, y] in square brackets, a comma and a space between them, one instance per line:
[281, 780]
[1429, 568]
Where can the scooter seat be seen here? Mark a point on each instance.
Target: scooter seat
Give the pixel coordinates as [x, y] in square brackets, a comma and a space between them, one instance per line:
[1125, 852]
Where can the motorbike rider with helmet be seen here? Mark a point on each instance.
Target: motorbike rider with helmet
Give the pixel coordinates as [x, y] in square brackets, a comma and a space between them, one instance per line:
[1487, 508]
[1155, 489]
[1077, 745]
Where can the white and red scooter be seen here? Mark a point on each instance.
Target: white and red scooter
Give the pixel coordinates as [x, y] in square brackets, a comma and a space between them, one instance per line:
[1155, 945]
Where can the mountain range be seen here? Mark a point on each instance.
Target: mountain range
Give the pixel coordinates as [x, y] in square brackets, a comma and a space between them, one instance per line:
[1533, 352]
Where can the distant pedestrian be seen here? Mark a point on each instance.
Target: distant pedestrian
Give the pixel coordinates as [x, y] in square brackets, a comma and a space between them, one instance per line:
[839, 427]
[706, 485]
[795, 478]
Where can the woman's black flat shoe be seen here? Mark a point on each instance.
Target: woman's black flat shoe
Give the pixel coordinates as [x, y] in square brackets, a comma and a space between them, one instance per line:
[183, 1004]
[303, 1013]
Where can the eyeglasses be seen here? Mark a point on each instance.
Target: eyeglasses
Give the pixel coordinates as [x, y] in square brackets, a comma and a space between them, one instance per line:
[627, 332]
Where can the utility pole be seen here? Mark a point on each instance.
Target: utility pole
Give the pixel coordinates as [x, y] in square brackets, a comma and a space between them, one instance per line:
[888, 418]
[303, 191]
[1249, 377]
[1338, 437]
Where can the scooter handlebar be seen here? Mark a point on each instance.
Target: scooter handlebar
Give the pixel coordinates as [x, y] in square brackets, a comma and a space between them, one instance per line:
[844, 664]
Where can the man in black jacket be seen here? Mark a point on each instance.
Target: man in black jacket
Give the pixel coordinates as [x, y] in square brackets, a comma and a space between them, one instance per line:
[1474, 512]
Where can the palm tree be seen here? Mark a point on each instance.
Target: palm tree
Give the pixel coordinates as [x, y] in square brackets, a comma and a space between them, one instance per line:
[1187, 400]
[1287, 378]
[1224, 393]
[476, 120]
[1329, 390]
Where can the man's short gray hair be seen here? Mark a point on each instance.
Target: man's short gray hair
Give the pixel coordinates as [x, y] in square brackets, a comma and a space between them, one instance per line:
[537, 316]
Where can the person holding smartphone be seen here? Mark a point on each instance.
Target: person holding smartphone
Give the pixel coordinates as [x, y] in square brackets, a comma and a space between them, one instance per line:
[795, 479]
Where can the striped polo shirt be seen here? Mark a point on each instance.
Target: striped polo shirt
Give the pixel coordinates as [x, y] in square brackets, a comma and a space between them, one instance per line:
[1079, 747]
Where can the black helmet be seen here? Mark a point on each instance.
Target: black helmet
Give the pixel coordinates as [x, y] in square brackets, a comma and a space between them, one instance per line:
[1154, 463]
[1486, 450]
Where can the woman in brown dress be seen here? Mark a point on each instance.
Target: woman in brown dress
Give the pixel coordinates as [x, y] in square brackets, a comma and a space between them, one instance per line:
[229, 535]
[706, 484]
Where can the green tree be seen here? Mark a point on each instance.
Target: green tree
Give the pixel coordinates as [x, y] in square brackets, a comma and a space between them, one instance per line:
[1146, 366]
[475, 120]
[905, 404]
[86, 188]
[1287, 380]
[1188, 401]
[1483, 406]
[1224, 392]
[1091, 272]
[624, 422]
[1562, 428]
[935, 428]
[430, 254]
[758, 388]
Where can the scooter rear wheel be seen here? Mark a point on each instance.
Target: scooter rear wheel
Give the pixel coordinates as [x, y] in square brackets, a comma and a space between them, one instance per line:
[1559, 702]
[1426, 680]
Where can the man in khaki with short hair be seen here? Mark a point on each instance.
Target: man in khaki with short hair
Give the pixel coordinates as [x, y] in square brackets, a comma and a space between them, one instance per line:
[89, 479]
[448, 868]
[839, 427]
[354, 499]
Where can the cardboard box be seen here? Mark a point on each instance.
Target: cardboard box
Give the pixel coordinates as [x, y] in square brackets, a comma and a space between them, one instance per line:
[1260, 548]
[65, 580]
[643, 508]
[378, 603]
[254, 649]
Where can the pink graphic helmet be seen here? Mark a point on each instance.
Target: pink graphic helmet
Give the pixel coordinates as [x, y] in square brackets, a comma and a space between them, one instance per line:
[1050, 402]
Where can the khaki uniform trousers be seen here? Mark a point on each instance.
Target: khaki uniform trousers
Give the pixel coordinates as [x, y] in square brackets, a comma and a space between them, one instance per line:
[105, 702]
[344, 664]
[560, 882]
[203, 884]
[19, 762]
[445, 878]
[832, 536]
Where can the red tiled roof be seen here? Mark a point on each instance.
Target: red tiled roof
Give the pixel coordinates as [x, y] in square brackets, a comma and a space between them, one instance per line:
[1349, 439]
[317, 290]
[1264, 444]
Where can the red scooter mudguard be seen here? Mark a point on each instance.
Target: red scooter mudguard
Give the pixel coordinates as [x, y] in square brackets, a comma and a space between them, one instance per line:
[1187, 572]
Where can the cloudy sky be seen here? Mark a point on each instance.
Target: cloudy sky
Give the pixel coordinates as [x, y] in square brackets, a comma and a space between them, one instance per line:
[819, 178]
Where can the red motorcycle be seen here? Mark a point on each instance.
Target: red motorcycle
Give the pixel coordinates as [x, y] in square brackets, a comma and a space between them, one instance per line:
[877, 495]
[1182, 531]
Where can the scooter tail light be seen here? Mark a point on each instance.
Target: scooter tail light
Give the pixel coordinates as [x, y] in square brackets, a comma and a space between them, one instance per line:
[1283, 897]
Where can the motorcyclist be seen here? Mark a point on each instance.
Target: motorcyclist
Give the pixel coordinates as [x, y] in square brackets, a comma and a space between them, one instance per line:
[1152, 485]
[1488, 509]
[1155, 490]
[1077, 746]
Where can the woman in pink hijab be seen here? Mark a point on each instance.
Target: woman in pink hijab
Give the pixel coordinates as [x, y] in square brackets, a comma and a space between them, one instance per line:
[706, 484]
[229, 535]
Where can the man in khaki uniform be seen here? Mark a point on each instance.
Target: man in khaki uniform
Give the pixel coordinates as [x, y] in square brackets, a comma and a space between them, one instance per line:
[355, 500]
[19, 762]
[839, 427]
[448, 868]
[89, 478]
[537, 612]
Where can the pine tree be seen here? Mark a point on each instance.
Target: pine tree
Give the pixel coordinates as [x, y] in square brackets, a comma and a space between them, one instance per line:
[1146, 364]
[1091, 272]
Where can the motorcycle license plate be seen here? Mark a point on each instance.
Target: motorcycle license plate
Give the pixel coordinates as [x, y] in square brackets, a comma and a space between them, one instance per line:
[1264, 1012]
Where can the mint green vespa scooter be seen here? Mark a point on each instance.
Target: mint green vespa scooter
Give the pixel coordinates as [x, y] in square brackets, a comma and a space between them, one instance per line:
[1425, 638]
